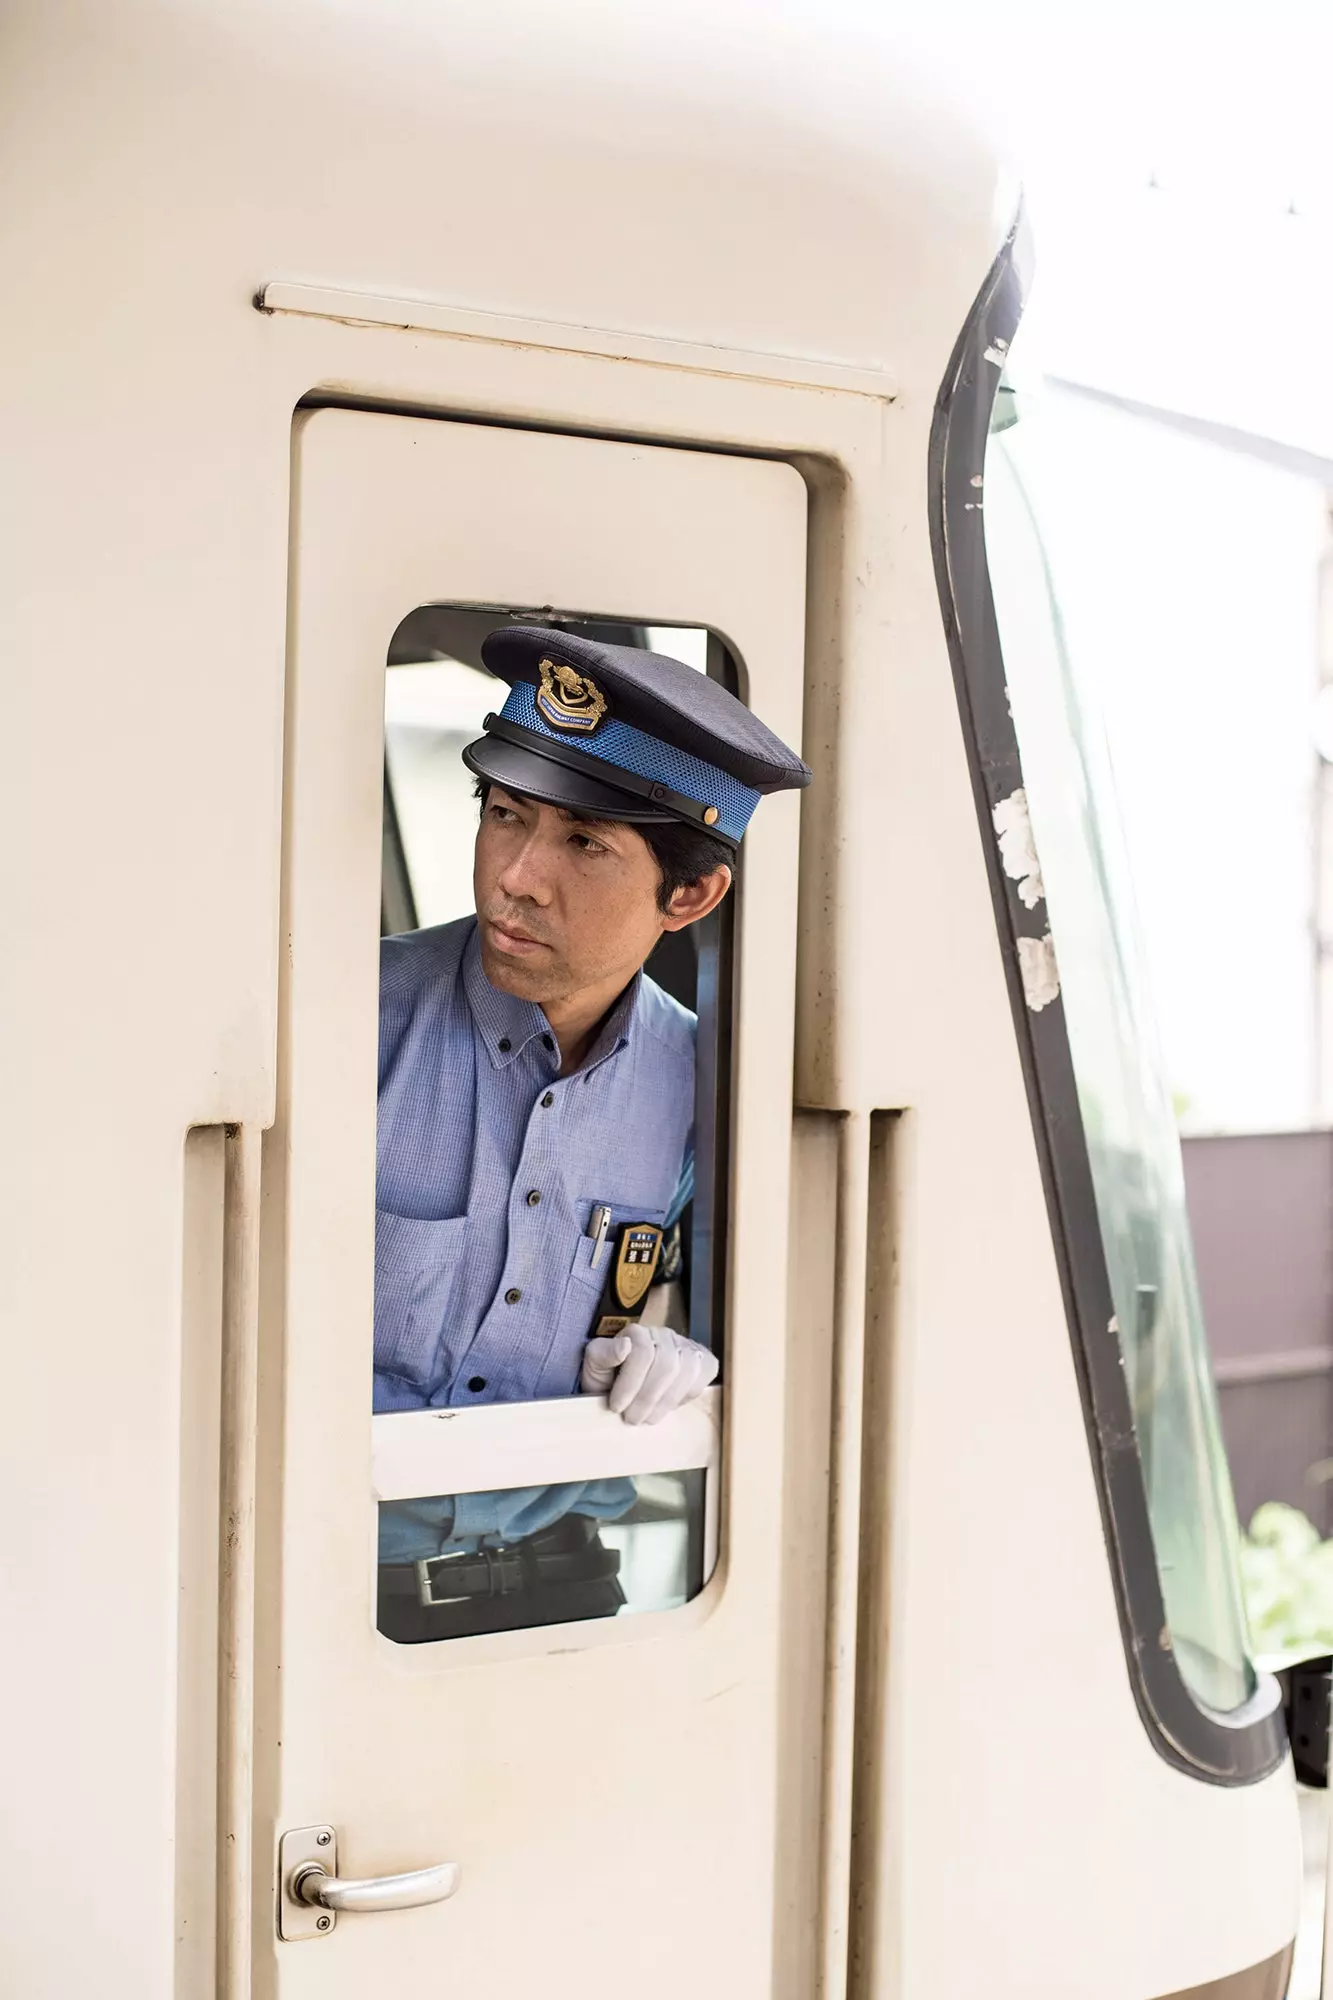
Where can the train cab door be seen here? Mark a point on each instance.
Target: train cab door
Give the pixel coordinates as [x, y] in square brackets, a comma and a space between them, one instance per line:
[598, 1807]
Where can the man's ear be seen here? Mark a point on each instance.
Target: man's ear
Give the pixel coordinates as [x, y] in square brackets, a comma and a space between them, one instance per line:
[694, 900]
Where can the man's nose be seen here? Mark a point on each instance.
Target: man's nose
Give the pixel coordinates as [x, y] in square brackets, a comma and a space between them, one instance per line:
[526, 874]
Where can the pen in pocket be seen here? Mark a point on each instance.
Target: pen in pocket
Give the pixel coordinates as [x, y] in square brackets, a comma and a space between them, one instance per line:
[600, 1224]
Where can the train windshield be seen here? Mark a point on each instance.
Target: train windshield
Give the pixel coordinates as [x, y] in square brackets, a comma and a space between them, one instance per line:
[1059, 842]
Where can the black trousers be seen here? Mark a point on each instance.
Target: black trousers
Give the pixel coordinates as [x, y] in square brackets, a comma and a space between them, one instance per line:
[568, 1574]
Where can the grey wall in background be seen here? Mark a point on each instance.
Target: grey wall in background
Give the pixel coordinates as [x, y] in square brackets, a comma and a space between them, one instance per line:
[1261, 1209]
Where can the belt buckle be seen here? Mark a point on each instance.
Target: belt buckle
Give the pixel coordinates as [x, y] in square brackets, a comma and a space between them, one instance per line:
[426, 1583]
[494, 1559]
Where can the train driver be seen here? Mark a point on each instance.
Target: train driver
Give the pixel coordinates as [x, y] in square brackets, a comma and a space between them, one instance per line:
[536, 1087]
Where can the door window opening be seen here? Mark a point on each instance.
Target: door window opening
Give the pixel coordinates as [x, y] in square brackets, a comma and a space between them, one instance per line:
[464, 1562]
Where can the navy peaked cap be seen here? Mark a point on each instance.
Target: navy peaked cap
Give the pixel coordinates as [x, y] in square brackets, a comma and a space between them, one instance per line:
[627, 734]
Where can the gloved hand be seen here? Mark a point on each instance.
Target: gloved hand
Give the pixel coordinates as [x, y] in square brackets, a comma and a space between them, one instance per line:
[649, 1371]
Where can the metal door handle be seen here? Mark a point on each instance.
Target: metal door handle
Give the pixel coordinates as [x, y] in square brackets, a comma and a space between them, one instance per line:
[311, 1892]
[312, 1883]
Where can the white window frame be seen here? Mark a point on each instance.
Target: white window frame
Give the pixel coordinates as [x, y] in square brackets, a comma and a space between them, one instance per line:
[419, 1454]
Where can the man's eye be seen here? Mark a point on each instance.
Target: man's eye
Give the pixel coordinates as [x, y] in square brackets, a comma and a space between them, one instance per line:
[586, 844]
[503, 814]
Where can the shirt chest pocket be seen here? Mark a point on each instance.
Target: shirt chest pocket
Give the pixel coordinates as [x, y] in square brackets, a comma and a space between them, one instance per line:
[559, 1375]
[582, 1271]
[416, 1267]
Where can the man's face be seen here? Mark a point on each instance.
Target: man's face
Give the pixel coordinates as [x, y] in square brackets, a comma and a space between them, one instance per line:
[564, 905]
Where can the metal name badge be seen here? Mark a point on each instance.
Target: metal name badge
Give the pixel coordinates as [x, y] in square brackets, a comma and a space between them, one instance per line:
[637, 1258]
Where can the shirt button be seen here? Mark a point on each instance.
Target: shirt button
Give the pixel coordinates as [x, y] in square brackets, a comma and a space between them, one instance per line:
[534, 1196]
[513, 1295]
[548, 1100]
[477, 1384]
[548, 1042]
[505, 1045]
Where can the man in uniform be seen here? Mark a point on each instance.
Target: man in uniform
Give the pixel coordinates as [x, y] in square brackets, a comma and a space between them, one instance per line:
[537, 1101]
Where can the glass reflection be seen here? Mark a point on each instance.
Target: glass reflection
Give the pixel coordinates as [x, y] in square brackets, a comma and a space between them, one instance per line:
[1060, 844]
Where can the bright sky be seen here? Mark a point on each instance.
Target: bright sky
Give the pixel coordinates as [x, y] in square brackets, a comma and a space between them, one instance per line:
[1179, 159]
[1179, 166]
[1203, 94]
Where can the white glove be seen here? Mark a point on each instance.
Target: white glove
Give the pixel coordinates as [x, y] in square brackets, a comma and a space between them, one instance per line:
[649, 1371]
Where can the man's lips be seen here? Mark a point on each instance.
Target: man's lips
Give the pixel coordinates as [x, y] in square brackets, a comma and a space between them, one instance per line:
[517, 943]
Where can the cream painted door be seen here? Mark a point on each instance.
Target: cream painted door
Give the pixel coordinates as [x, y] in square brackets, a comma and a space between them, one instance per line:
[609, 1791]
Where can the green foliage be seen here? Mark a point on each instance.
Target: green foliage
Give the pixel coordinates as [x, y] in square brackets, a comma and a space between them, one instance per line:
[1287, 1572]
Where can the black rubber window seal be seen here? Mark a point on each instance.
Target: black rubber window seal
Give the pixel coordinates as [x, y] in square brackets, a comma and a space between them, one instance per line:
[1242, 1745]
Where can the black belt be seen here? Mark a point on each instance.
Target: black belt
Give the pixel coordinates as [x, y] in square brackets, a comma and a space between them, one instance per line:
[571, 1552]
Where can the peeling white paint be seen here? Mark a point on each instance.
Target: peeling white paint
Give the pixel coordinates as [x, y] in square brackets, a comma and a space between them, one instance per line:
[1113, 1326]
[1041, 977]
[975, 479]
[1018, 851]
[995, 355]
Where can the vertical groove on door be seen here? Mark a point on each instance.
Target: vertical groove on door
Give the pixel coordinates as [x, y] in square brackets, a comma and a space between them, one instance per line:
[197, 1593]
[844, 1553]
[240, 1342]
[811, 1294]
[870, 1953]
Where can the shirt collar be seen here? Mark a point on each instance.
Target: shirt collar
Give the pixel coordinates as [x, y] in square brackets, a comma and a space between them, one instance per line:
[501, 1018]
[616, 1029]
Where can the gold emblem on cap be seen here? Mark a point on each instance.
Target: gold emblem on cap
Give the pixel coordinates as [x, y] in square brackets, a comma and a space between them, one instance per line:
[569, 699]
[710, 815]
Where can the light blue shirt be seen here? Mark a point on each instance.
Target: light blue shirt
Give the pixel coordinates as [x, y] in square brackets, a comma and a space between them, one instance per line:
[490, 1169]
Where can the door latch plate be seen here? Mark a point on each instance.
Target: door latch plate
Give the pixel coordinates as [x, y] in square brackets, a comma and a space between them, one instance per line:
[296, 1850]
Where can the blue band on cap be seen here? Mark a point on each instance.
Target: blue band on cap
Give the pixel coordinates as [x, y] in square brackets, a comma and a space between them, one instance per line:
[648, 757]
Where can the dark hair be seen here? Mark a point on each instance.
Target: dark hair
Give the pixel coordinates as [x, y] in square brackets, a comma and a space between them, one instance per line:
[682, 854]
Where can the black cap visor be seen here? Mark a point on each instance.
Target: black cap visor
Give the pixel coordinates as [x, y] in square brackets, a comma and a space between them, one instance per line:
[530, 775]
